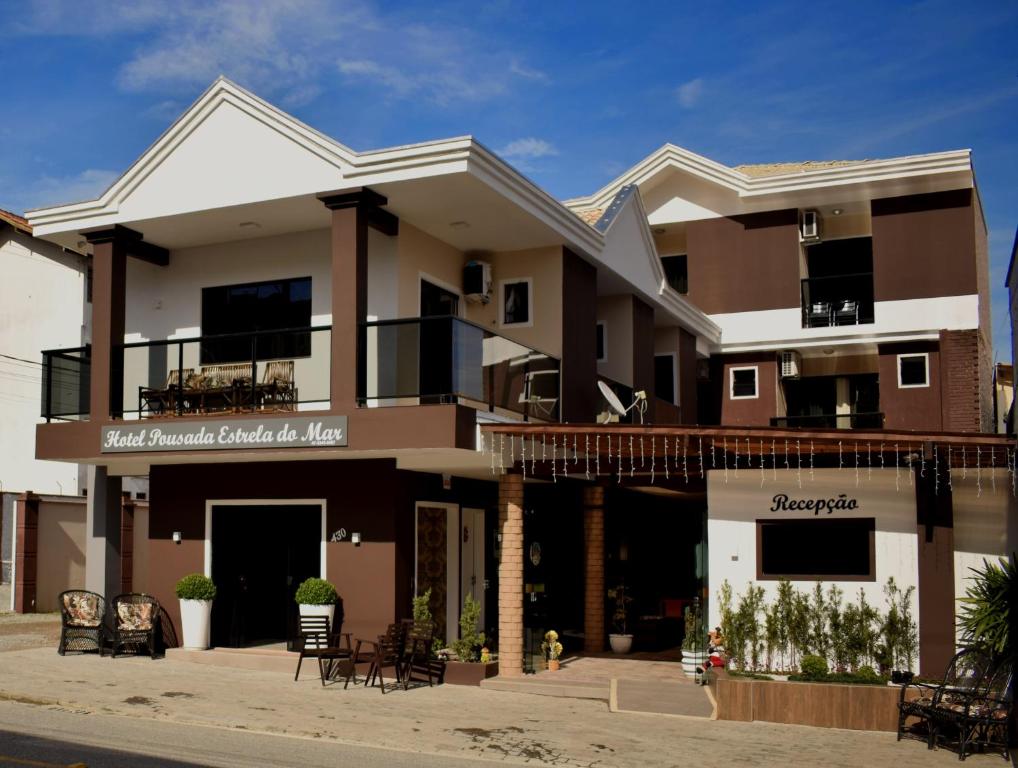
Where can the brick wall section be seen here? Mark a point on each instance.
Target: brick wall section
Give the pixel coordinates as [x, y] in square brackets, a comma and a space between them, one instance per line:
[510, 576]
[961, 381]
[26, 556]
[593, 539]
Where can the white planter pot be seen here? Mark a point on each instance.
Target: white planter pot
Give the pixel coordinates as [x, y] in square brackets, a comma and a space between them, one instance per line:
[196, 621]
[691, 661]
[621, 643]
[319, 610]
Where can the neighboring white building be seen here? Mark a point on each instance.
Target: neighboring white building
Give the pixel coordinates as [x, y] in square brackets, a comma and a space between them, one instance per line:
[42, 306]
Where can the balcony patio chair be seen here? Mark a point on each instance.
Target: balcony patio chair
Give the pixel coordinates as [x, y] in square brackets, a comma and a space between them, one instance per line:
[318, 642]
[135, 619]
[846, 312]
[977, 718]
[159, 400]
[81, 621]
[965, 672]
[277, 389]
[386, 651]
[818, 314]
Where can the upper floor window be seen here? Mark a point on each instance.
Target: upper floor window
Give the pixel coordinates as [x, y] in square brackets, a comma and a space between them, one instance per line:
[743, 383]
[267, 306]
[676, 272]
[602, 350]
[516, 298]
[914, 370]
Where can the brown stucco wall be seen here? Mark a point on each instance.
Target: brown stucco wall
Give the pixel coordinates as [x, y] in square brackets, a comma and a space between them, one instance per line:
[924, 246]
[643, 352]
[578, 371]
[912, 408]
[744, 263]
[753, 411]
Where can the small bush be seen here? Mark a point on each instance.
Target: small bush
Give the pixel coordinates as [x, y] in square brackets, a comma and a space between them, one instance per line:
[813, 667]
[315, 592]
[866, 671]
[468, 647]
[196, 586]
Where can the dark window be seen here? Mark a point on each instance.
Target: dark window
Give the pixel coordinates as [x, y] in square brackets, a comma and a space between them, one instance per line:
[517, 302]
[912, 371]
[268, 306]
[816, 548]
[676, 272]
[600, 341]
[89, 280]
[436, 301]
[664, 377]
[743, 382]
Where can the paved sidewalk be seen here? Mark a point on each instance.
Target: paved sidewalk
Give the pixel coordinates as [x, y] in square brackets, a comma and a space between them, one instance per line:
[445, 720]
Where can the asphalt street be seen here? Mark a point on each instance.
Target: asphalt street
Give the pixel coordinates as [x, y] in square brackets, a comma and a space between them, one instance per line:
[47, 738]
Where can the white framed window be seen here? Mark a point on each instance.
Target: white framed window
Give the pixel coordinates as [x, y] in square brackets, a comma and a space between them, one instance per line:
[602, 342]
[743, 382]
[516, 302]
[914, 370]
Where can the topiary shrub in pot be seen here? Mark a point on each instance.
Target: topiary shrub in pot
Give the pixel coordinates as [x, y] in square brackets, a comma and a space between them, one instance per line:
[317, 597]
[196, 593]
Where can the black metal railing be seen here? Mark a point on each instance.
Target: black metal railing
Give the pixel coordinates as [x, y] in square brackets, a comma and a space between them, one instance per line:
[862, 420]
[837, 300]
[447, 359]
[66, 377]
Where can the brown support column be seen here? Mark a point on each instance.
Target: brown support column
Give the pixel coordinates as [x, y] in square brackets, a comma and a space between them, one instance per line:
[578, 372]
[126, 543]
[643, 355]
[935, 533]
[26, 556]
[594, 594]
[353, 211]
[687, 376]
[109, 289]
[510, 575]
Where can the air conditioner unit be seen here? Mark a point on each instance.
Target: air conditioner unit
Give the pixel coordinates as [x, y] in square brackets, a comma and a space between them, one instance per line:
[809, 228]
[790, 363]
[477, 282]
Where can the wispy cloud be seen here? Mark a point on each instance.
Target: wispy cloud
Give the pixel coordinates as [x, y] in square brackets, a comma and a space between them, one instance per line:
[528, 73]
[54, 190]
[528, 149]
[689, 92]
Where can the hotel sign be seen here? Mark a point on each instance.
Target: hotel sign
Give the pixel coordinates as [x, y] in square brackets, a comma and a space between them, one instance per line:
[228, 434]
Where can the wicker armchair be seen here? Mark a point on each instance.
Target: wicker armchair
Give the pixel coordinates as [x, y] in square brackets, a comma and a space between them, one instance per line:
[979, 718]
[81, 621]
[965, 672]
[135, 622]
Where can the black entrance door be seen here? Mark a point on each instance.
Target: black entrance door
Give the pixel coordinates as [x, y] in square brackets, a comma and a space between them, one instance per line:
[260, 555]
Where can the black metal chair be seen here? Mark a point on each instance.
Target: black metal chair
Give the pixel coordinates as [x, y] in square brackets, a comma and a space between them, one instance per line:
[135, 621]
[818, 314]
[964, 674]
[318, 642]
[977, 718]
[81, 621]
[846, 312]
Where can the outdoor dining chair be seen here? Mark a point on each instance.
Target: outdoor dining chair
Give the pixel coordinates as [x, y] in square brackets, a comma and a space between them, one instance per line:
[81, 621]
[318, 642]
[386, 651]
[417, 653]
[964, 673]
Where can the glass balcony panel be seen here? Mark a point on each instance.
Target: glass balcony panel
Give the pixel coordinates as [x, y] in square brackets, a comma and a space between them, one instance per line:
[66, 378]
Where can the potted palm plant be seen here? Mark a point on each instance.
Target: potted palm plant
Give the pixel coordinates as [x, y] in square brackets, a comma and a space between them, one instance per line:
[621, 640]
[196, 593]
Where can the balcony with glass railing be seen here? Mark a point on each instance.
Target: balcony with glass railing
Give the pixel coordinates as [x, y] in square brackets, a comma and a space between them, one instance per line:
[837, 300]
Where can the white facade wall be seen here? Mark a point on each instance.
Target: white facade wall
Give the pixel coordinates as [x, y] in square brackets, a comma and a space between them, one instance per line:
[42, 299]
[984, 508]
[733, 509]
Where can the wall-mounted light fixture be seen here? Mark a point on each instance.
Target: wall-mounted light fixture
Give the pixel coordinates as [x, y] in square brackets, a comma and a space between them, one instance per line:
[355, 538]
[177, 536]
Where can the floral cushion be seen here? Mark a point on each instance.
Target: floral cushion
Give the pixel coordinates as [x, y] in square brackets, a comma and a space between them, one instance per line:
[135, 616]
[82, 609]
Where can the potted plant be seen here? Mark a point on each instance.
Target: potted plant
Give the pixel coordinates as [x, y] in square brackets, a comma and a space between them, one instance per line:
[694, 651]
[469, 668]
[317, 597]
[196, 593]
[552, 649]
[621, 641]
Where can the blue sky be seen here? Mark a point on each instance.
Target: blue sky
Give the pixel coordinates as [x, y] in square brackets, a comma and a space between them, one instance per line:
[571, 93]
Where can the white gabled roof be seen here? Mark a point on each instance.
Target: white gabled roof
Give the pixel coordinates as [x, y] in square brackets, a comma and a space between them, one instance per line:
[750, 182]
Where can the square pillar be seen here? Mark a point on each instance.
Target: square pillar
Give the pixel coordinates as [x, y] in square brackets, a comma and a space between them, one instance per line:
[126, 542]
[935, 592]
[103, 512]
[593, 555]
[26, 553]
[109, 293]
[510, 575]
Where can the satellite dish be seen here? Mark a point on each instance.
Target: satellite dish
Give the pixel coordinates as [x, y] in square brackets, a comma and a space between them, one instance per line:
[612, 398]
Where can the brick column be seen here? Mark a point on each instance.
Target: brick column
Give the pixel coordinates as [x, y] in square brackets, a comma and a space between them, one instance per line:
[593, 540]
[126, 543]
[510, 576]
[26, 556]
